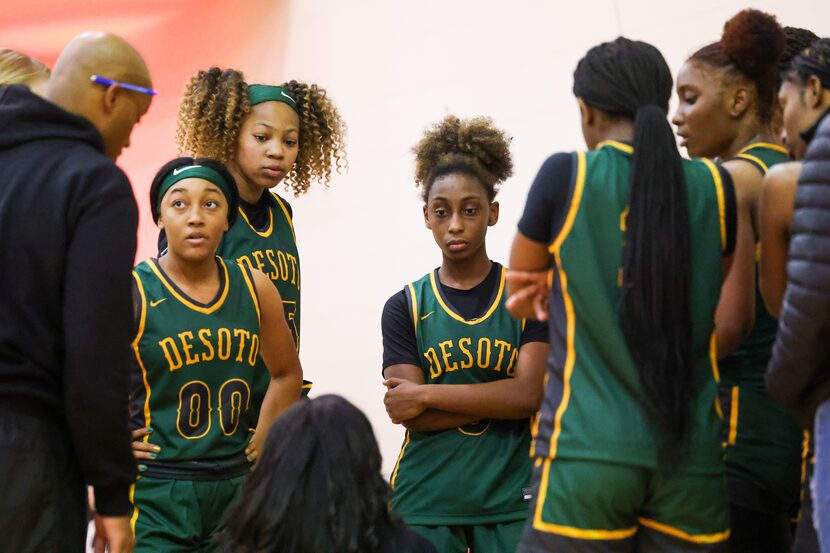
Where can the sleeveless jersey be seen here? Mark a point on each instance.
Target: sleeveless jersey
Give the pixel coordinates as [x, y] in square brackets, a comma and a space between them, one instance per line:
[274, 252]
[763, 440]
[594, 406]
[473, 474]
[196, 364]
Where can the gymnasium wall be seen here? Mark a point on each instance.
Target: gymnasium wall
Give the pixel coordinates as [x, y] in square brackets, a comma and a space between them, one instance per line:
[393, 68]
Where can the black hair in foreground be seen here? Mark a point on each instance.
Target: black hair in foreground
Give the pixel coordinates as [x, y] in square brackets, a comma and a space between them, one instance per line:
[317, 487]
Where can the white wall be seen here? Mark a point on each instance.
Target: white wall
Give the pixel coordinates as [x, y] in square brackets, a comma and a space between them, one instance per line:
[395, 67]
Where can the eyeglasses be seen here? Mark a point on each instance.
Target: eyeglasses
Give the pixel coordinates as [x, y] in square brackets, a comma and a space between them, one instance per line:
[134, 87]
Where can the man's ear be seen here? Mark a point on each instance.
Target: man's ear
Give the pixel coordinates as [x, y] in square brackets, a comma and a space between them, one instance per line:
[111, 96]
[813, 92]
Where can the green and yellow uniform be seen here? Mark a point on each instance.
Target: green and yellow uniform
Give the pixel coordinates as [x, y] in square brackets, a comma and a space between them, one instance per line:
[272, 249]
[451, 482]
[195, 370]
[763, 441]
[595, 443]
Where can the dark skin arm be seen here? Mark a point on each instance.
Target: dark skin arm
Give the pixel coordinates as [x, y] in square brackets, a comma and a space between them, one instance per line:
[510, 398]
[735, 314]
[775, 219]
[429, 420]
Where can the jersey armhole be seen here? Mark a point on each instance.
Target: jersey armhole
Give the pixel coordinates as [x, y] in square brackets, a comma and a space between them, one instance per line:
[754, 161]
[412, 306]
[139, 307]
[249, 281]
[576, 185]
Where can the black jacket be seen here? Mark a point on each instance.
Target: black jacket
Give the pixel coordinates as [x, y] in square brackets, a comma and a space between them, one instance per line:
[798, 376]
[67, 243]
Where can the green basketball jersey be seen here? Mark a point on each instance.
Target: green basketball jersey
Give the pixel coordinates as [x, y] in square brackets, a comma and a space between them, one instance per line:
[197, 364]
[763, 440]
[594, 406]
[473, 474]
[274, 252]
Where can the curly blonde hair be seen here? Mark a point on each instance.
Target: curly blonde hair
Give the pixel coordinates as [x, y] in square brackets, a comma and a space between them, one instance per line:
[215, 104]
[470, 146]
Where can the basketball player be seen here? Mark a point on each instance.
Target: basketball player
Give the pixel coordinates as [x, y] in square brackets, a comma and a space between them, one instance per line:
[464, 377]
[202, 323]
[727, 102]
[265, 135]
[627, 447]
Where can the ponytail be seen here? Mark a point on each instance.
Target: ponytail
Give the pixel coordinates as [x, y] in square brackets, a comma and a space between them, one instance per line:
[631, 79]
[655, 314]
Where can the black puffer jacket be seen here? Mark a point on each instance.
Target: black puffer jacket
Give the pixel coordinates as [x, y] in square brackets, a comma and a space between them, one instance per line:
[799, 371]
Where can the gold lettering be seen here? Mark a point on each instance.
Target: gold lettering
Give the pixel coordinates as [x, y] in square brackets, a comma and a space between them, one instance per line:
[484, 347]
[275, 275]
[254, 353]
[224, 345]
[434, 363]
[184, 337]
[501, 344]
[469, 362]
[204, 334]
[244, 259]
[168, 345]
[283, 265]
[258, 259]
[294, 278]
[243, 334]
[447, 355]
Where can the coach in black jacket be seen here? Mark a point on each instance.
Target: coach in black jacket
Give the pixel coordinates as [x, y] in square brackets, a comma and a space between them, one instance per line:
[67, 243]
[799, 372]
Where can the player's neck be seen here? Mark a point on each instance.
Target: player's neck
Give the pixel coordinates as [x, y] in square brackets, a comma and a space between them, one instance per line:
[199, 280]
[248, 191]
[750, 134]
[467, 273]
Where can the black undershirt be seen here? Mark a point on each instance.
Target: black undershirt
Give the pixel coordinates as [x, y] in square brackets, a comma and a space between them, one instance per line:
[399, 343]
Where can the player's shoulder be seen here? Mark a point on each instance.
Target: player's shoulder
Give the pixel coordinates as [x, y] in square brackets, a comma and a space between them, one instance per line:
[281, 202]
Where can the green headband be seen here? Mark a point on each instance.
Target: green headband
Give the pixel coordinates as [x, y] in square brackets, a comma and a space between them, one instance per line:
[258, 93]
[194, 172]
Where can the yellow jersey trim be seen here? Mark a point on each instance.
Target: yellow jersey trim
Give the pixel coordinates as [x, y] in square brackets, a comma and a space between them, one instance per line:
[414, 307]
[142, 321]
[267, 232]
[458, 317]
[398, 462]
[252, 290]
[733, 417]
[133, 518]
[570, 531]
[768, 145]
[721, 200]
[678, 533]
[287, 215]
[570, 359]
[713, 360]
[805, 453]
[616, 145]
[754, 159]
[186, 302]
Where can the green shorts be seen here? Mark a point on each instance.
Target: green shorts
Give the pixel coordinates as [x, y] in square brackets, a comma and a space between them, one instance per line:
[479, 538]
[178, 516]
[591, 506]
